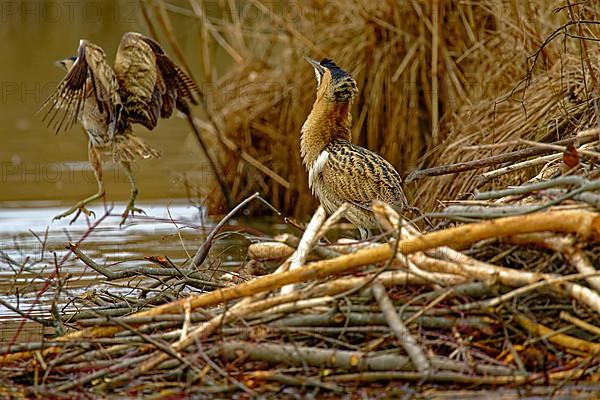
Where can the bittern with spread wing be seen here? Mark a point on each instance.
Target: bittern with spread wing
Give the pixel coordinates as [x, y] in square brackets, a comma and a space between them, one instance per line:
[143, 85]
[339, 171]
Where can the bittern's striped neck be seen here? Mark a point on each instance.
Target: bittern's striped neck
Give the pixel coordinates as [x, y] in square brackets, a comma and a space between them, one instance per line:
[328, 121]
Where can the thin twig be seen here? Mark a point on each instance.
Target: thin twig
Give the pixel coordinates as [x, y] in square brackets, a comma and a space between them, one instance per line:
[202, 252]
[583, 137]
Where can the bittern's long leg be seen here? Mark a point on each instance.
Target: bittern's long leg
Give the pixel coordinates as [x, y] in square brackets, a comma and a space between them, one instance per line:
[95, 158]
[134, 192]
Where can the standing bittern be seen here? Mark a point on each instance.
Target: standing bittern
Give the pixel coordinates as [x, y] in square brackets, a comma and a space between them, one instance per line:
[143, 85]
[339, 171]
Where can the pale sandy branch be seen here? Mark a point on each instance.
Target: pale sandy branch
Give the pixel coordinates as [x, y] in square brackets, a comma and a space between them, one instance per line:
[567, 246]
[308, 240]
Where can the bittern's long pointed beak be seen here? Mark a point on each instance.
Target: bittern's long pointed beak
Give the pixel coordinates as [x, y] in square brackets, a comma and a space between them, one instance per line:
[66, 63]
[314, 63]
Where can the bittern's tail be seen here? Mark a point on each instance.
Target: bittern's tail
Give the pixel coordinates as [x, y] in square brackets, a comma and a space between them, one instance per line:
[127, 147]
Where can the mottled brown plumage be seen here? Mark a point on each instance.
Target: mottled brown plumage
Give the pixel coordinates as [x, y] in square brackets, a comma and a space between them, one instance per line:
[143, 86]
[339, 171]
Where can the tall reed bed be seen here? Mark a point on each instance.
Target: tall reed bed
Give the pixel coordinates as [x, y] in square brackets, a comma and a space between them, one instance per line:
[434, 77]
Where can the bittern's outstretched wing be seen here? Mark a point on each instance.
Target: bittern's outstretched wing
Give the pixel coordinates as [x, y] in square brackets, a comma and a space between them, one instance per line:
[90, 75]
[151, 84]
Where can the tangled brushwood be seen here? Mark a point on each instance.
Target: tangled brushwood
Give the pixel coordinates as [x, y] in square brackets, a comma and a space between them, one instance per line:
[512, 299]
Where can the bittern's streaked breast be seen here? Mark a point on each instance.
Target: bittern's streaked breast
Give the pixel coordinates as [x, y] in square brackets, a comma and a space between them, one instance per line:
[339, 171]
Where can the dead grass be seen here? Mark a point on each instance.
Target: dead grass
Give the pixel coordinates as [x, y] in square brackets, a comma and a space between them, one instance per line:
[554, 101]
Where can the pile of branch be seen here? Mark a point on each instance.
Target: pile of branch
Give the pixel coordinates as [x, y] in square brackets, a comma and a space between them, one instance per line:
[509, 301]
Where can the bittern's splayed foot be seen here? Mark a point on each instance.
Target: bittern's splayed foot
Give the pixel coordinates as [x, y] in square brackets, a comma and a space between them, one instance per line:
[143, 86]
[339, 171]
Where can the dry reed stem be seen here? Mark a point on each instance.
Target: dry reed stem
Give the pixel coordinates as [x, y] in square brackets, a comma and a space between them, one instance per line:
[290, 307]
[387, 279]
[562, 149]
[495, 173]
